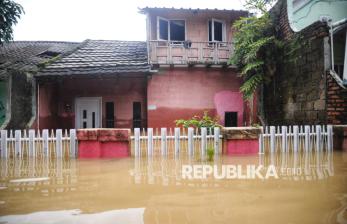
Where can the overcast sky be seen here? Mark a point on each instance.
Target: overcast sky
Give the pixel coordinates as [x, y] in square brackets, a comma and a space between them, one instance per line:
[77, 20]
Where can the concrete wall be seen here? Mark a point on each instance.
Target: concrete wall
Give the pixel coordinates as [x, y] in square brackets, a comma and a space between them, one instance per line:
[182, 93]
[56, 96]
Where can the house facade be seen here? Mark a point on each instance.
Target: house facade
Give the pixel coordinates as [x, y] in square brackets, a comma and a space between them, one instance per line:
[180, 71]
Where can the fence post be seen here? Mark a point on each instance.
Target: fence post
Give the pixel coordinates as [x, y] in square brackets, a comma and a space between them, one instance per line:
[149, 141]
[32, 150]
[272, 138]
[18, 143]
[330, 137]
[284, 139]
[58, 143]
[137, 141]
[296, 138]
[4, 144]
[163, 142]
[318, 137]
[216, 133]
[190, 141]
[307, 138]
[177, 141]
[45, 142]
[203, 141]
[73, 153]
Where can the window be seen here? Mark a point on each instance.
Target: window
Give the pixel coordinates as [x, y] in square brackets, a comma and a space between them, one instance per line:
[216, 30]
[137, 114]
[174, 30]
[109, 115]
[230, 119]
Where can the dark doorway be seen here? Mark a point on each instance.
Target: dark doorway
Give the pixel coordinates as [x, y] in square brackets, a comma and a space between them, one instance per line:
[109, 115]
[230, 119]
[137, 115]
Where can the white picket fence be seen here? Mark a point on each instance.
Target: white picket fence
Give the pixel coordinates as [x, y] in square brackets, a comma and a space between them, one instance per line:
[176, 141]
[297, 138]
[32, 143]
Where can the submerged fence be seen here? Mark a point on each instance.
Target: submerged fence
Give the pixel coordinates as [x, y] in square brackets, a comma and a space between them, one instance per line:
[38, 144]
[296, 138]
[190, 141]
[167, 141]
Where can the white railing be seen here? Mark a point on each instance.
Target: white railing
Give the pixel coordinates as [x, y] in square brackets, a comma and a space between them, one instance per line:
[186, 52]
[176, 141]
[296, 138]
[23, 143]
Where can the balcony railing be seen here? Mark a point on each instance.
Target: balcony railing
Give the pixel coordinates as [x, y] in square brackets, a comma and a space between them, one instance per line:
[187, 52]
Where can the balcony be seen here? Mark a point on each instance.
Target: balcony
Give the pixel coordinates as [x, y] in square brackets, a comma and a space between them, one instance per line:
[187, 52]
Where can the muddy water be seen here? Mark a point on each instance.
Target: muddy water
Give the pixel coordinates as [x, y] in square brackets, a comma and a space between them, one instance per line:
[309, 188]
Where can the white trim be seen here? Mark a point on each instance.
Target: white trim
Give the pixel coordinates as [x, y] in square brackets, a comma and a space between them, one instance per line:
[77, 115]
[168, 28]
[345, 62]
[224, 31]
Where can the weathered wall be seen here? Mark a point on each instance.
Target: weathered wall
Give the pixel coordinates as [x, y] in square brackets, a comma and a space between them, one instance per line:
[182, 93]
[21, 101]
[3, 100]
[297, 93]
[123, 91]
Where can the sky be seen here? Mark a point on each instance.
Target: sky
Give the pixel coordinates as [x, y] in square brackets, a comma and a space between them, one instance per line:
[77, 20]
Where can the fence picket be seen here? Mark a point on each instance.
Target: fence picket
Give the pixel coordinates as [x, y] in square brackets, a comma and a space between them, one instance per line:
[163, 141]
[329, 137]
[272, 138]
[59, 143]
[307, 138]
[137, 141]
[203, 141]
[318, 137]
[284, 139]
[177, 141]
[296, 138]
[150, 141]
[4, 153]
[32, 149]
[73, 153]
[216, 133]
[190, 141]
[18, 143]
[45, 142]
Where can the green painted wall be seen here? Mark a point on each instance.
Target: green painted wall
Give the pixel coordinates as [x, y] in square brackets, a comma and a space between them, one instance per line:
[3, 101]
[310, 11]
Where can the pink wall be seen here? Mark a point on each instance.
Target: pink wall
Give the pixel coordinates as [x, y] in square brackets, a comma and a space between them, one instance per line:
[123, 91]
[182, 93]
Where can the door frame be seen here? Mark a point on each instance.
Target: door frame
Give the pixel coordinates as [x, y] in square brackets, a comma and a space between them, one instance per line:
[78, 116]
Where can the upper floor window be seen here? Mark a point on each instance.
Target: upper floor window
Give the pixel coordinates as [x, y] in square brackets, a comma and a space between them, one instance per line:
[216, 30]
[174, 30]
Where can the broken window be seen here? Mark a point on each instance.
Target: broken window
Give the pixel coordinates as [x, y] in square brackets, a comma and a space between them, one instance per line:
[171, 30]
[216, 30]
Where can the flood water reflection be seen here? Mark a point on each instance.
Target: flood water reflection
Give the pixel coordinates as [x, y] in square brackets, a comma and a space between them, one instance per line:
[311, 188]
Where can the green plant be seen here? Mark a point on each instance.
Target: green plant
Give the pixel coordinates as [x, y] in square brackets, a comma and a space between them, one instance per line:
[210, 153]
[256, 47]
[199, 122]
[10, 12]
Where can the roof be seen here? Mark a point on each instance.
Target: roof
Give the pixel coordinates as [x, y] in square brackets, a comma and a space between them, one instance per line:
[27, 55]
[194, 10]
[101, 57]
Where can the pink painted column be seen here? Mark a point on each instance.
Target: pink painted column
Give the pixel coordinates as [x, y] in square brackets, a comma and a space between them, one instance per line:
[103, 143]
[241, 140]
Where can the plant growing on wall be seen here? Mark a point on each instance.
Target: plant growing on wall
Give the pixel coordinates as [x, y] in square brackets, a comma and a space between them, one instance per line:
[256, 47]
[199, 121]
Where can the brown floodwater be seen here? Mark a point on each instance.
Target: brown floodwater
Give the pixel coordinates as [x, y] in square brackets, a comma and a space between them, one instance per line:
[308, 188]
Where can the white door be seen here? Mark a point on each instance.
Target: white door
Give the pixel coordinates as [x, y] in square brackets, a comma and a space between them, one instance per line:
[88, 112]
